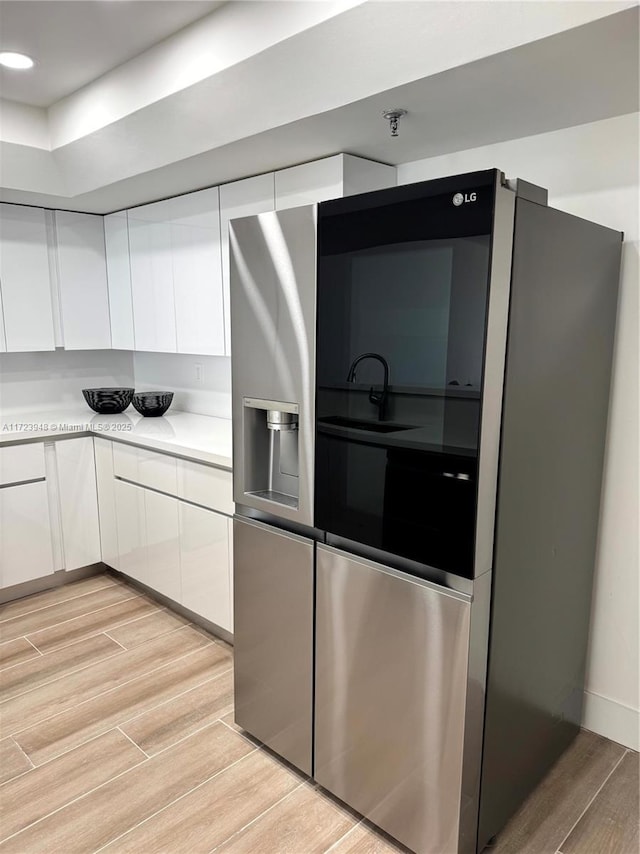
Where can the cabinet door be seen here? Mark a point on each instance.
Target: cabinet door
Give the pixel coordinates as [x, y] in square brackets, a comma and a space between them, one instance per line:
[197, 272]
[154, 314]
[82, 280]
[78, 502]
[241, 198]
[204, 561]
[131, 526]
[391, 687]
[106, 484]
[163, 544]
[116, 237]
[25, 279]
[25, 533]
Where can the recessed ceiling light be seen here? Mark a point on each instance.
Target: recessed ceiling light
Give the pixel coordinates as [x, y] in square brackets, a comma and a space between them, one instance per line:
[15, 60]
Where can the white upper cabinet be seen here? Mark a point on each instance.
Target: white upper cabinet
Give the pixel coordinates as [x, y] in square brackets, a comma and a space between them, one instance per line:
[25, 279]
[154, 278]
[197, 272]
[154, 310]
[330, 178]
[241, 198]
[116, 238]
[176, 275]
[82, 281]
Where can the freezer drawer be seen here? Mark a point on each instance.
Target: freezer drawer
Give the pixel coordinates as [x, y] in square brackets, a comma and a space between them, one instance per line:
[273, 638]
[391, 688]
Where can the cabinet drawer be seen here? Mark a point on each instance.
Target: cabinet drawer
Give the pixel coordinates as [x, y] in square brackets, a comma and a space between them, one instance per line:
[21, 462]
[157, 471]
[211, 487]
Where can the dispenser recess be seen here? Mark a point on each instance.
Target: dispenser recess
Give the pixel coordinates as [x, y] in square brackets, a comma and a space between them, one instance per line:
[271, 451]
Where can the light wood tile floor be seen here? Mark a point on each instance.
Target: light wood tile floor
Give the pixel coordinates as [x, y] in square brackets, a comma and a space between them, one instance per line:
[117, 735]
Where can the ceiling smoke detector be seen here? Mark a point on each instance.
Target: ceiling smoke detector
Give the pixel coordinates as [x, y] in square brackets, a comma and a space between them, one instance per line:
[392, 117]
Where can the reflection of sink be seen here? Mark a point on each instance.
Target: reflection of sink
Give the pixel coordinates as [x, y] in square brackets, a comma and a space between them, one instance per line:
[354, 423]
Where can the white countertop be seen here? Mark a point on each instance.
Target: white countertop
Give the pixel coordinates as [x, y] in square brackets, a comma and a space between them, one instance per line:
[196, 437]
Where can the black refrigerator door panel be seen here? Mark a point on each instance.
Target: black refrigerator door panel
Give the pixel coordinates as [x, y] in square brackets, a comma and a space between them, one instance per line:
[403, 296]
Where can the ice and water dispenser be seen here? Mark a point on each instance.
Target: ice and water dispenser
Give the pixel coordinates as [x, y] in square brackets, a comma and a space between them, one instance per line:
[271, 469]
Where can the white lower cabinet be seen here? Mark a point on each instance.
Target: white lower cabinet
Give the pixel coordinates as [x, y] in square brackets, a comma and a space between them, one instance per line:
[78, 502]
[162, 521]
[206, 485]
[148, 468]
[48, 509]
[163, 544]
[204, 564]
[19, 463]
[106, 502]
[26, 550]
[173, 547]
[132, 530]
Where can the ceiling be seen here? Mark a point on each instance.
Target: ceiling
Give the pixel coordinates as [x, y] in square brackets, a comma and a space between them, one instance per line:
[271, 84]
[74, 42]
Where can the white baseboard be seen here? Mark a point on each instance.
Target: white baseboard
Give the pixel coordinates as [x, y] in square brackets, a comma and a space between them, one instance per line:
[614, 720]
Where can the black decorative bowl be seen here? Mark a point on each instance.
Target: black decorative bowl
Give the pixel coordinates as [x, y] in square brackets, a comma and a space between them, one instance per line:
[151, 404]
[108, 401]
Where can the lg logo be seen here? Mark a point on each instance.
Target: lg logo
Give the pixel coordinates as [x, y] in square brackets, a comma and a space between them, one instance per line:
[463, 198]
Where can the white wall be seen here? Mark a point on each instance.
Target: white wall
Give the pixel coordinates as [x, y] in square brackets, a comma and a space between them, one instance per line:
[37, 382]
[211, 395]
[592, 171]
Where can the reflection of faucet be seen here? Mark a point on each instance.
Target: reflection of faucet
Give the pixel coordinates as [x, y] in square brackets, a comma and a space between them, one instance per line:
[378, 398]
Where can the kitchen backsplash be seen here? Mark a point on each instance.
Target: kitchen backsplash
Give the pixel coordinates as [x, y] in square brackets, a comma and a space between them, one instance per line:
[36, 382]
[202, 384]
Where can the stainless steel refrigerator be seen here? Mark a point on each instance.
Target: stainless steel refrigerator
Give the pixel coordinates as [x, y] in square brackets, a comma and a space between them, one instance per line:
[420, 386]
